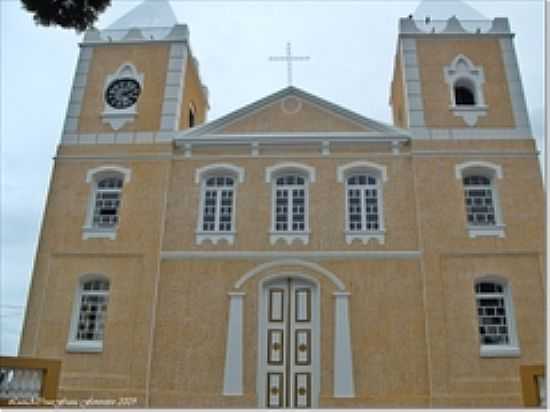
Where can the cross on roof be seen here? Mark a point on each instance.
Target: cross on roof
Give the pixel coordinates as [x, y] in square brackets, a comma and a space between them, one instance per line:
[289, 58]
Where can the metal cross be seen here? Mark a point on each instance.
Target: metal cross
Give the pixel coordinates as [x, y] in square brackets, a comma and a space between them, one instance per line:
[289, 58]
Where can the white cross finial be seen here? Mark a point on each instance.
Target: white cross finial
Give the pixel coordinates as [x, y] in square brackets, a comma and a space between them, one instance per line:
[289, 58]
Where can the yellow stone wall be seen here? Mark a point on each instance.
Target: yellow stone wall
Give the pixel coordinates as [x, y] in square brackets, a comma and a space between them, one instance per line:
[193, 94]
[397, 97]
[149, 59]
[288, 115]
[435, 53]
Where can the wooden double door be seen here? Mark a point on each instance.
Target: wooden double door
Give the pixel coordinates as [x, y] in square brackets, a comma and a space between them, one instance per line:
[289, 337]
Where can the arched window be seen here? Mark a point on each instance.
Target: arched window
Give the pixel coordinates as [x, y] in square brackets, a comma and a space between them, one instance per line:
[290, 201]
[88, 323]
[217, 207]
[483, 213]
[465, 82]
[192, 114]
[218, 198]
[364, 219]
[497, 333]
[464, 92]
[105, 201]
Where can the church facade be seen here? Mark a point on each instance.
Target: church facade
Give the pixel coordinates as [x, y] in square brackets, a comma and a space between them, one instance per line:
[294, 253]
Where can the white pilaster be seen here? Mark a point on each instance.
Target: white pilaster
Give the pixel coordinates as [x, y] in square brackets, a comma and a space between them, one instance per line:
[343, 364]
[233, 374]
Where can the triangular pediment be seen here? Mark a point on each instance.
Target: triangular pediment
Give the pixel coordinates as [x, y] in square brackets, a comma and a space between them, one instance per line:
[290, 111]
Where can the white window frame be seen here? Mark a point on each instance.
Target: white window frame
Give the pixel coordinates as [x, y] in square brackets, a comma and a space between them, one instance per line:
[93, 176]
[73, 344]
[462, 68]
[201, 176]
[493, 172]
[380, 173]
[272, 174]
[499, 351]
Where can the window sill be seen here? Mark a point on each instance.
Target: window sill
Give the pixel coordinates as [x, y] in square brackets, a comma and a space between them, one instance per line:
[499, 351]
[214, 237]
[478, 231]
[364, 237]
[289, 237]
[85, 346]
[469, 113]
[98, 233]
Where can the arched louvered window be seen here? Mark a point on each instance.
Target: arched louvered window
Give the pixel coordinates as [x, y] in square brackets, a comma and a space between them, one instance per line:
[464, 92]
[479, 195]
[108, 194]
[497, 334]
[88, 323]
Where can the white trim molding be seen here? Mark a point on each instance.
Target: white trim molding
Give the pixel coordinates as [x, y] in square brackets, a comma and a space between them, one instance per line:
[462, 69]
[274, 170]
[289, 237]
[233, 371]
[216, 168]
[117, 118]
[125, 172]
[292, 256]
[476, 166]
[343, 363]
[365, 236]
[361, 165]
[215, 237]
[90, 232]
[497, 230]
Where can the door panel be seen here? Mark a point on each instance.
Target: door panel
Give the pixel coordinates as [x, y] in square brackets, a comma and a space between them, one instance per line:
[288, 338]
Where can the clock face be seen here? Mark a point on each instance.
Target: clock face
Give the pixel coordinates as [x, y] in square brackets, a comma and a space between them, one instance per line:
[122, 93]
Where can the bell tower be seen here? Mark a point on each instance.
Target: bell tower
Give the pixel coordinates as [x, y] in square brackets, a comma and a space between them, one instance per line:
[136, 81]
[458, 79]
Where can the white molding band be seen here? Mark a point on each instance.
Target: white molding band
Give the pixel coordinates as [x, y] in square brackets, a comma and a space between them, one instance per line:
[469, 133]
[283, 256]
[215, 168]
[174, 87]
[361, 165]
[478, 165]
[343, 363]
[271, 171]
[233, 371]
[127, 173]
[413, 88]
[74, 107]
[515, 87]
[364, 237]
[290, 262]
[289, 238]
[214, 237]
[491, 231]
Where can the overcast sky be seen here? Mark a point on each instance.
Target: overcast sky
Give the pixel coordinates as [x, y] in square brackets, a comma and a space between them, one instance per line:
[351, 45]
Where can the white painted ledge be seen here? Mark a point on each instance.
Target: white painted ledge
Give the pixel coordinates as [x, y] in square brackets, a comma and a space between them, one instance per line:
[214, 237]
[84, 346]
[117, 119]
[470, 114]
[289, 237]
[364, 237]
[89, 232]
[499, 351]
[491, 231]
[233, 370]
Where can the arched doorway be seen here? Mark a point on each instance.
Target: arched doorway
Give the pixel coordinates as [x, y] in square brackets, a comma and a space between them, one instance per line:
[288, 342]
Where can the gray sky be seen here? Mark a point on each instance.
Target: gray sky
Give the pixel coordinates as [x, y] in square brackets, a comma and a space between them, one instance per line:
[351, 44]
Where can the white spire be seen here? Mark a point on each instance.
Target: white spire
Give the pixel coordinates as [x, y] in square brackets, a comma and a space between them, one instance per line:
[150, 13]
[444, 9]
